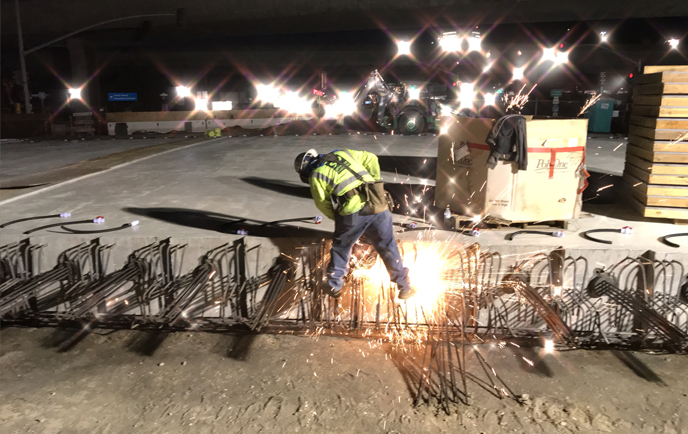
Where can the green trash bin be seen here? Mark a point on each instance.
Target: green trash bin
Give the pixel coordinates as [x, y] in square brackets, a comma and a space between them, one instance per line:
[600, 116]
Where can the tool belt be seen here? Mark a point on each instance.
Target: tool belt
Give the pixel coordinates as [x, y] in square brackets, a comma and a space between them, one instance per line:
[372, 192]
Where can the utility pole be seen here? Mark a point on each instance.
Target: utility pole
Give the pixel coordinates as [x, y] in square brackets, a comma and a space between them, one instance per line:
[27, 95]
[180, 14]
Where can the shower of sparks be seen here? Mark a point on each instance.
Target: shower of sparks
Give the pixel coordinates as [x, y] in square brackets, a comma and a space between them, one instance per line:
[605, 187]
[516, 103]
[618, 146]
[549, 346]
[589, 103]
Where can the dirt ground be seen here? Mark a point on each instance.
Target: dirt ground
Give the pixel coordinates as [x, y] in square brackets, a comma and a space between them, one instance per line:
[138, 382]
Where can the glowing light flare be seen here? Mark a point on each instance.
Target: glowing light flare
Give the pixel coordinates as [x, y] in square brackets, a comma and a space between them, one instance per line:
[414, 92]
[466, 95]
[489, 99]
[267, 93]
[518, 73]
[450, 42]
[222, 105]
[549, 54]
[74, 93]
[293, 103]
[183, 91]
[445, 110]
[673, 43]
[344, 105]
[403, 48]
[562, 57]
[474, 43]
[604, 37]
[201, 104]
[487, 67]
[444, 129]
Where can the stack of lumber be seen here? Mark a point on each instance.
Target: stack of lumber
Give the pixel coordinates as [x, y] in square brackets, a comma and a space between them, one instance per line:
[656, 171]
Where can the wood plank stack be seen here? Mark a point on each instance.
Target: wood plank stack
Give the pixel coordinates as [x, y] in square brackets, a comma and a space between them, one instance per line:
[656, 171]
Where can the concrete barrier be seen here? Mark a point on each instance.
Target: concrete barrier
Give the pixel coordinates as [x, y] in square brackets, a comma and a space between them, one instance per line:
[195, 122]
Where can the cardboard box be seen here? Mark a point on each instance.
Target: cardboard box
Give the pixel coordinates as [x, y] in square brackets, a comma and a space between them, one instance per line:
[547, 190]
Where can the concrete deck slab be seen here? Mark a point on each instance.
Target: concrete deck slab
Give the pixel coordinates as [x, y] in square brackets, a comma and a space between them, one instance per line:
[28, 157]
[193, 192]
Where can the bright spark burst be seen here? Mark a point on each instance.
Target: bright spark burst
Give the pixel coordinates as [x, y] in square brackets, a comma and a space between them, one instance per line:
[549, 346]
[516, 103]
[591, 102]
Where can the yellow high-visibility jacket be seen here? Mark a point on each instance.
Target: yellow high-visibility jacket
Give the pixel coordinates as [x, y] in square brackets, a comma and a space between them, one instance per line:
[330, 179]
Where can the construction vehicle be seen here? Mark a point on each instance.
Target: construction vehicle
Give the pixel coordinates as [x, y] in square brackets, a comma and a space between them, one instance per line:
[399, 107]
[393, 106]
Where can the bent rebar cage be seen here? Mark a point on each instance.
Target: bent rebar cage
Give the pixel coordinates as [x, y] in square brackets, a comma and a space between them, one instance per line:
[464, 292]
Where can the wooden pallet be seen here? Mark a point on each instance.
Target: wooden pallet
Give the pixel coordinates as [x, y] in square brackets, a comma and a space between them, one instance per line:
[664, 201]
[660, 123]
[662, 100]
[645, 174]
[656, 171]
[659, 190]
[658, 211]
[656, 134]
[651, 69]
[661, 89]
[657, 168]
[660, 112]
[659, 157]
[658, 145]
[663, 77]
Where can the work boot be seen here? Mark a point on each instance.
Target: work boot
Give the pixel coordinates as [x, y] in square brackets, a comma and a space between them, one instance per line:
[407, 292]
[332, 292]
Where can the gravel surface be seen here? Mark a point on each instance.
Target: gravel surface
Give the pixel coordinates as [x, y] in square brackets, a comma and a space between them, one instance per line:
[136, 382]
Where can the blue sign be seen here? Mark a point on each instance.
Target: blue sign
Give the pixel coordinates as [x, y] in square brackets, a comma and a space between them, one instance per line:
[122, 96]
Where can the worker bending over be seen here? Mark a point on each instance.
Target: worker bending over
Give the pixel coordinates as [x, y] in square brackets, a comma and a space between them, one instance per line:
[346, 187]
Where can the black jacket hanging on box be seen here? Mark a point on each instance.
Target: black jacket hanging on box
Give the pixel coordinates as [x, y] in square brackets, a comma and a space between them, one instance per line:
[507, 141]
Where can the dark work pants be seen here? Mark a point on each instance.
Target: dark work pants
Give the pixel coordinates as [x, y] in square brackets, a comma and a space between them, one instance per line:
[379, 231]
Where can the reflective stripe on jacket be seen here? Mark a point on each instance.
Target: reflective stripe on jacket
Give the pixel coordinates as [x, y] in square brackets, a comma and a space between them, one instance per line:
[330, 179]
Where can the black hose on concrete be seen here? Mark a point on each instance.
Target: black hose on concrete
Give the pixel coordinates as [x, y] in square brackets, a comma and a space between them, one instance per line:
[100, 231]
[558, 234]
[98, 219]
[587, 235]
[665, 240]
[315, 219]
[39, 217]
